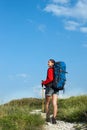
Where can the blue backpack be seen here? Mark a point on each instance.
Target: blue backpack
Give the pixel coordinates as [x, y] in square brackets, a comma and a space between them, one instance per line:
[59, 75]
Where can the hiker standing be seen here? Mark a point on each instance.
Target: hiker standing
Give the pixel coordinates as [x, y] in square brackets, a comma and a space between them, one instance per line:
[50, 92]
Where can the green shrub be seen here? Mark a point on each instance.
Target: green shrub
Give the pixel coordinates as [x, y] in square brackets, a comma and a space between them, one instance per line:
[72, 109]
[21, 122]
[18, 117]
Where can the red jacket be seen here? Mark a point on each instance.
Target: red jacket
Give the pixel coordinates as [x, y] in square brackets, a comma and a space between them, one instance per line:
[50, 76]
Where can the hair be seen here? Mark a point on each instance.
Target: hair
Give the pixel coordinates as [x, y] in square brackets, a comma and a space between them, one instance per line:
[52, 60]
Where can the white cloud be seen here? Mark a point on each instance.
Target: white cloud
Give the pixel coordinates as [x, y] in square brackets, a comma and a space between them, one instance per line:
[58, 10]
[61, 1]
[85, 45]
[63, 96]
[30, 21]
[42, 27]
[39, 92]
[83, 29]
[22, 75]
[76, 12]
[17, 76]
[71, 25]
[80, 9]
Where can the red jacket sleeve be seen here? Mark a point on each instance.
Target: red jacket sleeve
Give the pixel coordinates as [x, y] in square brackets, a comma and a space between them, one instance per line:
[50, 76]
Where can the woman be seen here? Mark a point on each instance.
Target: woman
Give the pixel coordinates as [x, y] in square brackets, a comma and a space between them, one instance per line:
[50, 92]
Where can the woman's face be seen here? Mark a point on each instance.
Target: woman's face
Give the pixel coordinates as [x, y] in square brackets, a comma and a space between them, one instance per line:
[50, 63]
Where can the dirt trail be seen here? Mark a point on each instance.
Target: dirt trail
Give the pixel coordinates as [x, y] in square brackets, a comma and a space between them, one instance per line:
[60, 125]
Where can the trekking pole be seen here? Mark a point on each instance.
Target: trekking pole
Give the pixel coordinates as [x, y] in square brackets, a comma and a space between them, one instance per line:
[42, 98]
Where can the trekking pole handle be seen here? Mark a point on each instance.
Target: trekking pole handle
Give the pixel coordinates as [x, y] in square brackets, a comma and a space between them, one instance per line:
[41, 82]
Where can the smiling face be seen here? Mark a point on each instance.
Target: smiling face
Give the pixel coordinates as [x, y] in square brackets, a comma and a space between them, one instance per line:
[50, 63]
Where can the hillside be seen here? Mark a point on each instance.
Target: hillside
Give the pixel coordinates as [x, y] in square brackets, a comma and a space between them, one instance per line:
[15, 115]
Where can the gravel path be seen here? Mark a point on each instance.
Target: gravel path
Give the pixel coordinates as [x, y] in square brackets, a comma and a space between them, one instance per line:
[60, 125]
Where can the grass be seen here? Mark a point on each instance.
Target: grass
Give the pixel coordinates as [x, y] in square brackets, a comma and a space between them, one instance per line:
[15, 115]
[21, 122]
[73, 109]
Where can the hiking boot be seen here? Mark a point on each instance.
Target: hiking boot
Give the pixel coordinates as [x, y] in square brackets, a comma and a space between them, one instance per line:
[54, 120]
[48, 119]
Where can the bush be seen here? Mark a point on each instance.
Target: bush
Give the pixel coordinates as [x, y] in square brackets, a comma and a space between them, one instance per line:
[18, 117]
[72, 109]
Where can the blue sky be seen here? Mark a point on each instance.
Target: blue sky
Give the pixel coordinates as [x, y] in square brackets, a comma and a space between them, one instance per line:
[31, 32]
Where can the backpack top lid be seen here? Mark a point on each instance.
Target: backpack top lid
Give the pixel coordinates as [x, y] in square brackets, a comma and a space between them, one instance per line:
[60, 66]
[62, 63]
